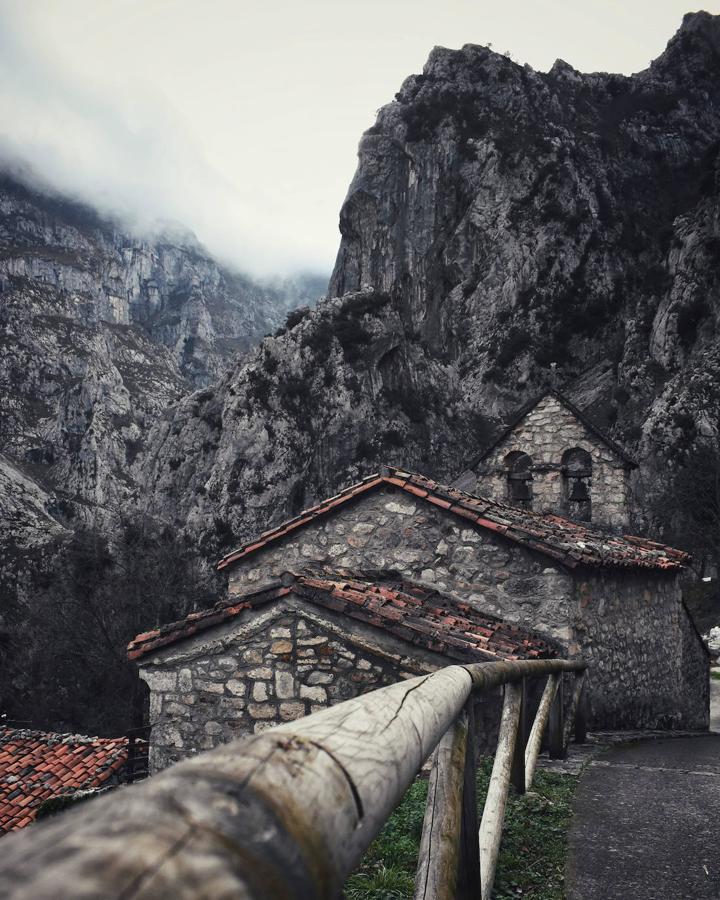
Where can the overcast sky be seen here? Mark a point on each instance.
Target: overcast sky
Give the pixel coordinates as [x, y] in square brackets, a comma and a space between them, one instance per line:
[241, 118]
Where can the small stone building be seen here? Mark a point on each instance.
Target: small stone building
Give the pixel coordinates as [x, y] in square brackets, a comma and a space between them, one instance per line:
[614, 600]
[553, 458]
[297, 645]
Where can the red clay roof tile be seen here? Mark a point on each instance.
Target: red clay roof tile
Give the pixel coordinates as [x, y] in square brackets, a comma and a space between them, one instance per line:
[36, 765]
[572, 543]
[411, 612]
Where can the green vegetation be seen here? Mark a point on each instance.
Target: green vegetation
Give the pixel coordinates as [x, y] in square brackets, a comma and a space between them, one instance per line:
[715, 675]
[532, 856]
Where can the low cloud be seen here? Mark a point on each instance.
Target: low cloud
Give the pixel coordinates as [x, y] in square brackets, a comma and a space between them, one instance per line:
[131, 156]
[240, 119]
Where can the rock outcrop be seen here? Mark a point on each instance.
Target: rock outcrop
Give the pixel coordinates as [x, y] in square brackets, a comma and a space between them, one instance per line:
[505, 227]
[100, 332]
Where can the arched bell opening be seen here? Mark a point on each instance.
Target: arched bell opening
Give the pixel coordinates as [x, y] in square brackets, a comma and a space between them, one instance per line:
[518, 469]
[577, 478]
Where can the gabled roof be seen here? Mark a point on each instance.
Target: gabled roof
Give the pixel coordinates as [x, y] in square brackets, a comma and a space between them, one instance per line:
[36, 765]
[579, 415]
[572, 543]
[414, 613]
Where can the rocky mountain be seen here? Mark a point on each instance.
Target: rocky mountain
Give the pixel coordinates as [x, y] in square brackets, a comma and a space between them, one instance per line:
[504, 227]
[100, 332]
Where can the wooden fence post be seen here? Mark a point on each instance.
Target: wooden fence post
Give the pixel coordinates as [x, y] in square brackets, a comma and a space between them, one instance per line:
[517, 774]
[468, 884]
[438, 858]
[285, 813]
[534, 743]
[581, 716]
[571, 721]
[494, 810]
[556, 735]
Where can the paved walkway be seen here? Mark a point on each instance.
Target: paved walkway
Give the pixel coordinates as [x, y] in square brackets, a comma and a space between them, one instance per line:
[647, 822]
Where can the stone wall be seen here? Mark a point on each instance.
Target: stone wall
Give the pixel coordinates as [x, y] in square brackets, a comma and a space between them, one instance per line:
[389, 530]
[627, 625]
[545, 434]
[645, 670]
[647, 667]
[268, 667]
[695, 671]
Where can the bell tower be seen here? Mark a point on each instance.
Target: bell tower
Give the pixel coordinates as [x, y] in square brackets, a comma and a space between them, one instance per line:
[552, 458]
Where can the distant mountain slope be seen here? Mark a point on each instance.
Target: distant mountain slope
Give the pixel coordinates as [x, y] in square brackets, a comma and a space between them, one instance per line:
[100, 332]
[170, 287]
[502, 223]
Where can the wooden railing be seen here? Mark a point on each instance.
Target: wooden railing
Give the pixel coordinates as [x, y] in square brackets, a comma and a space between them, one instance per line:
[290, 812]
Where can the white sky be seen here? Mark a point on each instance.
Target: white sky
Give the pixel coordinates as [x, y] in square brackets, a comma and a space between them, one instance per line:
[241, 118]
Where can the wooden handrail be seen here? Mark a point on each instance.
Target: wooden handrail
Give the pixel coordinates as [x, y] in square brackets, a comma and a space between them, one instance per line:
[287, 813]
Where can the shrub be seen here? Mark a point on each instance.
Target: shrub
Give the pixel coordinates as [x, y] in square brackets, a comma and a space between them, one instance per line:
[392, 438]
[514, 344]
[353, 337]
[319, 339]
[260, 387]
[688, 321]
[364, 450]
[295, 316]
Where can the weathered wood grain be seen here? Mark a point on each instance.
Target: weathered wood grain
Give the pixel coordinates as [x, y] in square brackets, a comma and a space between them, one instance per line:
[581, 717]
[436, 877]
[468, 884]
[532, 751]
[571, 717]
[285, 814]
[517, 771]
[494, 810]
[556, 726]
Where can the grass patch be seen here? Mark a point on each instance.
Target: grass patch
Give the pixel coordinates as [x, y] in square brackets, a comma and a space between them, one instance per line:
[715, 675]
[532, 855]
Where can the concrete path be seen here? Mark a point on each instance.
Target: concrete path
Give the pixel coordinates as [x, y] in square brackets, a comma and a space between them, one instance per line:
[647, 823]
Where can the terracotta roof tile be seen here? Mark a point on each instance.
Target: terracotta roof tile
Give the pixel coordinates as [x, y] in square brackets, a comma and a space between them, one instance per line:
[37, 765]
[572, 543]
[411, 612]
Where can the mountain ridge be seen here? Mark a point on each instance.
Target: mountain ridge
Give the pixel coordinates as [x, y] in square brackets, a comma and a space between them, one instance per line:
[504, 228]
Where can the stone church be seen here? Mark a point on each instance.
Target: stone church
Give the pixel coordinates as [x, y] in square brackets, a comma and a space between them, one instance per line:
[398, 575]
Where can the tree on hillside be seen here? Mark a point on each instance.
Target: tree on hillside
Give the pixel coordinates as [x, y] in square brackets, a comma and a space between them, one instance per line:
[688, 511]
[688, 505]
[67, 668]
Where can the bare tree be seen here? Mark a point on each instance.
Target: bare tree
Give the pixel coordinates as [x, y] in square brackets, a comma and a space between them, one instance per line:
[65, 666]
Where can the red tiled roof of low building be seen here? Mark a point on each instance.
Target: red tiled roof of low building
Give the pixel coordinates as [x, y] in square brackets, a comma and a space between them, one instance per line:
[572, 543]
[414, 613]
[36, 766]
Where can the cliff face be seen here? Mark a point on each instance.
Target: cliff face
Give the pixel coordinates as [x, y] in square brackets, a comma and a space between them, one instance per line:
[502, 223]
[169, 287]
[100, 332]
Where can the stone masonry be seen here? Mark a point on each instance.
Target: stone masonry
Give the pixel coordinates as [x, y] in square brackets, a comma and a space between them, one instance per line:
[545, 434]
[630, 626]
[264, 665]
[264, 669]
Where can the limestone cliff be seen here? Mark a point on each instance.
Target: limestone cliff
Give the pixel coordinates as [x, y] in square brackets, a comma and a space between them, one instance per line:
[167, 286]
[501, 221]
[100, 332]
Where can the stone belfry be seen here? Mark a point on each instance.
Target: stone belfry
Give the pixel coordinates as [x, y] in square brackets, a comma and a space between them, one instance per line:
[552, 458]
